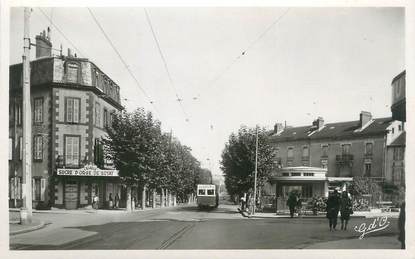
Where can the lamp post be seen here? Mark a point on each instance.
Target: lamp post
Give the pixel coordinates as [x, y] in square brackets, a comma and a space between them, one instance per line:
[256, 169]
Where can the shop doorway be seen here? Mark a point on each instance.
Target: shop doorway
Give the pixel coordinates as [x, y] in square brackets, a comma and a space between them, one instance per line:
[71, 195]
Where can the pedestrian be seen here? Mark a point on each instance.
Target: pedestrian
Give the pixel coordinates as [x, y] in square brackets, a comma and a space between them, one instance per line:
[299, 206]
[95, 202]
[346, 209]
[333, 204]
[401, 226]
[117, 201]
[243, 203]
[292, 203]
[110, 201]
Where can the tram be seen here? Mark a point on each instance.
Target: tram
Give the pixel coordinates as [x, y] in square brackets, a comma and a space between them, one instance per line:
[207, 196]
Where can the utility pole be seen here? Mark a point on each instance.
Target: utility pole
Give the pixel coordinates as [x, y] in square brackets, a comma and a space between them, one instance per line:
[256, 169]
[26, 211]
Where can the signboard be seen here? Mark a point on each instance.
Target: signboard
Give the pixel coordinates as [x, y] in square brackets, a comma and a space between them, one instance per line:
[89, 170]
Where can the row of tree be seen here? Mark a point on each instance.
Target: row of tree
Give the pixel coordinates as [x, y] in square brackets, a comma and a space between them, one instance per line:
[238, 161]
[148, 158]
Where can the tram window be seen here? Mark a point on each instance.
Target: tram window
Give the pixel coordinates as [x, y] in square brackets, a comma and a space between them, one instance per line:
[211, 192]
[201, 192]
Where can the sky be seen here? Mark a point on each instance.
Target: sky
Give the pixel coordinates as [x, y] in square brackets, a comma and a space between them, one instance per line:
[298, 63]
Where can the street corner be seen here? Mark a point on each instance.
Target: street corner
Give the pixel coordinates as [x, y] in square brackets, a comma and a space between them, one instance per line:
[17, 228]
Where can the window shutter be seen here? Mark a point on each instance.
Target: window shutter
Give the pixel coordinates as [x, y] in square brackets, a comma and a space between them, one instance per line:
[68, 152]
[75, 150]
[33, 189]
[75, 110]
[42, 189]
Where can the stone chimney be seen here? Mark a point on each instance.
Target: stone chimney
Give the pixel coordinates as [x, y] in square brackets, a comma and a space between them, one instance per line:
[365, 117]
[69, 53]
[318, 123]
[43, 45]
[278, 128]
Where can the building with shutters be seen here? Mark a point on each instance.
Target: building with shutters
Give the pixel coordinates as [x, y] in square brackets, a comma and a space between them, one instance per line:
[320, 157]
[72, 102]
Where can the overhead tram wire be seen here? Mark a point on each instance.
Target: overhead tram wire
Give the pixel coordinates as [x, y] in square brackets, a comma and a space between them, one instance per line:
[123, 61]
[61, 32]
[244, 52]
[179, 100]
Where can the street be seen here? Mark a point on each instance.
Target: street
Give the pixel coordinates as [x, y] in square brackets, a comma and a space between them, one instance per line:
[186, 227]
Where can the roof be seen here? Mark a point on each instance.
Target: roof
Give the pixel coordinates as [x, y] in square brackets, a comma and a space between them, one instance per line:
[400, 140]
[399, 76]
[338, 130]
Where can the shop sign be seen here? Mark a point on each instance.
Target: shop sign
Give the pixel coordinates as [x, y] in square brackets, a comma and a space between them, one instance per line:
[89, 170]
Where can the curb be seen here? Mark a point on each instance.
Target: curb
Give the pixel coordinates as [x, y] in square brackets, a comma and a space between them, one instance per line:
[287, 216]
[21, 231]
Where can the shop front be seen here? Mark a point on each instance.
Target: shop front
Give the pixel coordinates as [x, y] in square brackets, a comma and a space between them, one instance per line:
[76, 188]
[307, 182]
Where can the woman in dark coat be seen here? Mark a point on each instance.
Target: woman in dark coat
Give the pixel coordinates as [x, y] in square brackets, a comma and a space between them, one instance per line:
[292, 203]
[333, 204]
[345, 209]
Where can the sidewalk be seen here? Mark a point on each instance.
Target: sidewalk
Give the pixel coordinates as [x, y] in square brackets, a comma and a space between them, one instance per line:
[357, 214]
[42, 218]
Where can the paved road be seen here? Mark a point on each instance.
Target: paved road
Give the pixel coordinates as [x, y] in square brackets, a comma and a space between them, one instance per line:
[190, 228]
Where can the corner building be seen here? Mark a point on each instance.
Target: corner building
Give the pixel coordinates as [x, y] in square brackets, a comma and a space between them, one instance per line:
[72, 102]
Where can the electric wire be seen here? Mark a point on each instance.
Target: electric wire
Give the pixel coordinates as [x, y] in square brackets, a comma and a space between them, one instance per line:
[123, 61]
[179, 100]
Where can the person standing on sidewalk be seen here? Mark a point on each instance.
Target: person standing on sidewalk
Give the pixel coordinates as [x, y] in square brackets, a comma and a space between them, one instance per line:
[117, 201]
[110, 201]
[292, 203]
[333, 204]
[346, 209]
[95, 202]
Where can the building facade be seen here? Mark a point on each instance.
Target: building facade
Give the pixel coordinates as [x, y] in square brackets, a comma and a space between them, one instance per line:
[344, 149]
[72, 103]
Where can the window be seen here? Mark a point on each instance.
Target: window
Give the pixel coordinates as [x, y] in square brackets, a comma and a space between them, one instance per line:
[324, 150]
[201, 192]
[369, 148]
[210, 192]
[20, 148]
[346, 149]
[38, 110]
[368, 168]
[393, 130]
[72, 110]
[295, 174]
[38, 148]
[290, 152]
[397, 153]
[308, 174]
[18, 111]
[97, 114]
[10, 149]
[36, 189]
[285, 174]
[305, 151]
[397, 173]
[400, 127]
[72, 73]
[105, 117]
[72, 150]
[98, 153]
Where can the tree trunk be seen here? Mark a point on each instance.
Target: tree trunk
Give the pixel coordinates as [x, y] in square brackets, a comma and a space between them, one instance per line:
[174, 200]
[168, 198]
[129, 198]
[162, 198]
[154, 199]
[143, 198]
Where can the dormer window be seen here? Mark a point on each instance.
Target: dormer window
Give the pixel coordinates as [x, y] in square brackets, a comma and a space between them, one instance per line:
[72, 70]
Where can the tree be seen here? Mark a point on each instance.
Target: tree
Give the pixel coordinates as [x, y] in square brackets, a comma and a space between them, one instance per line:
[238, 160]
[204, 176]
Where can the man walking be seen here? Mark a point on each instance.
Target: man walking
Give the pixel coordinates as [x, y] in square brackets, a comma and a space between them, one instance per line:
[333, 205]
[292, 203]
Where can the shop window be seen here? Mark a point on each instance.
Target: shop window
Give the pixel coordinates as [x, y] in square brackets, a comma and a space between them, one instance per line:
[72, 144]
[38, 118]
[38, 148]
[72, 110]
[97, 114]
